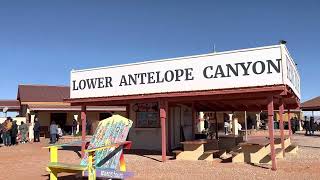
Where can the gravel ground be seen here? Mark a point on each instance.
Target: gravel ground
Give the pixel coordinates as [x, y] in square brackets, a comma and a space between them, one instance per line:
[28, 161]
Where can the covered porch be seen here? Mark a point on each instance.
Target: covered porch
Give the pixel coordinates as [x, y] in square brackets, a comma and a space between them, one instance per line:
[257, 99]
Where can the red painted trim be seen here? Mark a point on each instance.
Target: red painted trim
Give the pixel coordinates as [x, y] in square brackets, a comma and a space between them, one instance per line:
[264, 89]
[281, 112]
[83, 134]
[271, 132]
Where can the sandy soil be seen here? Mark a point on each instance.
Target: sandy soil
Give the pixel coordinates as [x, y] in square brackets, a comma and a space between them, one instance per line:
[28, 161]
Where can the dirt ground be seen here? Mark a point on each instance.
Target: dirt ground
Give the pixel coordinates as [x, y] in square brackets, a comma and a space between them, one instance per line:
[28, 161]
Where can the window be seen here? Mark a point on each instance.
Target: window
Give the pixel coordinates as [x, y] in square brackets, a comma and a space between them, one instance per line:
[147, 115]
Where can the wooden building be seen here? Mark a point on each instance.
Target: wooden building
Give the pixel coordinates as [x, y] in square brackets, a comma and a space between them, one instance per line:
[165, 95]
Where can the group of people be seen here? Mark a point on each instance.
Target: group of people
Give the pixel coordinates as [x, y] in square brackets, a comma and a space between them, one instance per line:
[210, 127]
[9, 131]
[311, 126]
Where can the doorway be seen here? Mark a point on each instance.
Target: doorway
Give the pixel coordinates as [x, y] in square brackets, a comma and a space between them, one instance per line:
[175, 120]
[181, 125]
[60, 119]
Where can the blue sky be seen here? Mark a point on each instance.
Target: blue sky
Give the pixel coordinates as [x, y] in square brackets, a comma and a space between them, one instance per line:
[41, 41]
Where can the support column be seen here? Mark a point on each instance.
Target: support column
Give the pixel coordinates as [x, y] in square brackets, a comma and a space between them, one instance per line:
[128, 111]
[271, 132]
[217, 128]
[235, 126]
[281, 112]
[163, 117]
[201, 122]
[75, 116]
[193, 120]
[230, 122]
[257, 121]
[300, 125]
[31, 134]
[83, 134]
[289, 124]
[245, 125]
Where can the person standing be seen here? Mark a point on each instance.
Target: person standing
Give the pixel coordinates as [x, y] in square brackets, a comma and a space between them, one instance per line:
[226, 127]
[88, 127]
[7, 125]
[312, 125]
[1, 129]
[307, 126]
[74, 126]
[53, 132]
[59, 132]
[36, 130]
[23, 128]
[14, 133]
[293, 125]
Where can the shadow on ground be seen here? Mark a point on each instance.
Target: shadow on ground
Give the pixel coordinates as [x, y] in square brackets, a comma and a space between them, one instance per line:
[146, 153]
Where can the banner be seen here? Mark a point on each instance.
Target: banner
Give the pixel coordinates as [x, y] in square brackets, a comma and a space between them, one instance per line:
[231, 69]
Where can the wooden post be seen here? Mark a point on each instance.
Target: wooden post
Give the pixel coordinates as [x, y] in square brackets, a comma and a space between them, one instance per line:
[217, 128]
[128, 111]
[163, 117]
[83, 134]
[281, 112]
[245, 125]
[193, 120]
[271, 132]
[169, 127]
[289, 123]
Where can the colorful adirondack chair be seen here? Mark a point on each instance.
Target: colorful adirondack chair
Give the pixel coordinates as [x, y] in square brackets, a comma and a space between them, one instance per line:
[102, 155]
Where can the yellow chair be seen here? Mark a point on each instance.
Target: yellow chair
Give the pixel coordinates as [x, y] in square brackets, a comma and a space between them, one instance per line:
[55, 167]
[103, 154]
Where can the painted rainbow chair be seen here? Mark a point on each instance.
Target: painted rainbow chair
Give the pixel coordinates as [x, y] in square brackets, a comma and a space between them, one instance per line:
[103, 155]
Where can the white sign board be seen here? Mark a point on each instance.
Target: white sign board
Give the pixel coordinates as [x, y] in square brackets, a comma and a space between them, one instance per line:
[231, 69]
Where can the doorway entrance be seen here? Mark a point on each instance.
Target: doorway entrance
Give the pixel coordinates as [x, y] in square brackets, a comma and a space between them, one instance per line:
[60, 119]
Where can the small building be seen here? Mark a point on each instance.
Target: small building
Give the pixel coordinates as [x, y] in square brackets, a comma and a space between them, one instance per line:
[311, 108]
[167, 98]
[46, 103]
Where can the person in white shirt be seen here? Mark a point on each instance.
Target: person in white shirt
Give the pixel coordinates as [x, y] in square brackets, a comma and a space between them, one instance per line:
[226, 127]
[59, 132]
[239, 126]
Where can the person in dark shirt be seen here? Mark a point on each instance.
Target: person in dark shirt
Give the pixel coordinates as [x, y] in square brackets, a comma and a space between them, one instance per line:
[74, 126]
[14, 133]
[312, 125]
[88, 127]
[36, 130]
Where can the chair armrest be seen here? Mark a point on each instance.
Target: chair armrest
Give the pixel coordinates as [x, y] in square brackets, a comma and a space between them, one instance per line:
[126, 144]
[66, 144]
